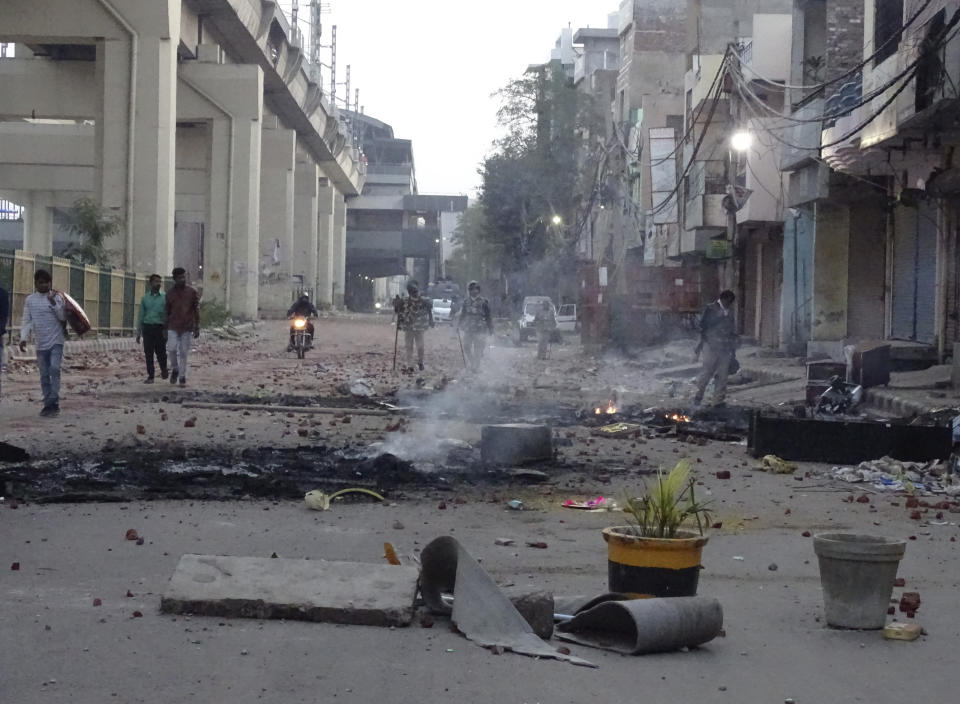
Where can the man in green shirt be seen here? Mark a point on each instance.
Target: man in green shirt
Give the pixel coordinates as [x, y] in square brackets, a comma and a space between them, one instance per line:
[152, 327]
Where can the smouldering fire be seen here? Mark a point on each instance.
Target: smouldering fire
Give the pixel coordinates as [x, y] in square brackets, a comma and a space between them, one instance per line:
[609, 409]
[677, 418]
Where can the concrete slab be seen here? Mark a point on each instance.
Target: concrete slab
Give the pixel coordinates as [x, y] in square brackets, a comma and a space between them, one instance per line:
[515, 443]
[304, 590]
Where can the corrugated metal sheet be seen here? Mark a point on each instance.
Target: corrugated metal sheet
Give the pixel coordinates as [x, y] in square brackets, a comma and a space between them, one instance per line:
[915, 273]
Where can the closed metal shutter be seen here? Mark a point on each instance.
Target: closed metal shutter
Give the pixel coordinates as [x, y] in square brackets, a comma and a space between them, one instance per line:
[915, 273]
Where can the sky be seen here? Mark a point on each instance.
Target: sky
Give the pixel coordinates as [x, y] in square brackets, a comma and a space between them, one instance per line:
[428, 69]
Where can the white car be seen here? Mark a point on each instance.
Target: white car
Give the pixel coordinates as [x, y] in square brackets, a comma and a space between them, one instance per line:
[531, 304]
[442, 310]
[567, 317]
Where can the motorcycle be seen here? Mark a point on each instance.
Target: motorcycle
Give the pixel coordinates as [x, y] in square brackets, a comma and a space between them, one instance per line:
[840, 398]
[301, 338]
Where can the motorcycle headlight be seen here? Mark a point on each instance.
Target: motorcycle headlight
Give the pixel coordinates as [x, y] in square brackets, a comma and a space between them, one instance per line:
[299, 323]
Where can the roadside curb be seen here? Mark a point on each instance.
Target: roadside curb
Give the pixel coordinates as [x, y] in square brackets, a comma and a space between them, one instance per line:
[888, 401]
[124, 344]
[770, 375]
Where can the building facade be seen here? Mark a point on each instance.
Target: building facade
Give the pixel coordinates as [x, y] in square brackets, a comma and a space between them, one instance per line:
[194, 121]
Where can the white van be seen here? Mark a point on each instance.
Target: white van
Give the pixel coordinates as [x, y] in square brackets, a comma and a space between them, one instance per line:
[531, 304]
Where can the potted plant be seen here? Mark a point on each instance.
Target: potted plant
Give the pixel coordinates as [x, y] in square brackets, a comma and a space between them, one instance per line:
[654, 555]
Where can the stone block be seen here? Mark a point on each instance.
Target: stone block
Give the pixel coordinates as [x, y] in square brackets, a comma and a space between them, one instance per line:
[515, 443]
[305, 590]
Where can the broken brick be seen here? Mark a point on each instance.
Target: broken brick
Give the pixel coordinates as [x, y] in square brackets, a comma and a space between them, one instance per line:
[899, 582]
[723, 474]
[863, 499]
[910, 601]
[131, 534]
[912, 502]
[914, 515]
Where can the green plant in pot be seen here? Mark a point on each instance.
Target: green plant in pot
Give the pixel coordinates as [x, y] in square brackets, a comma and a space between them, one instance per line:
[658, 552]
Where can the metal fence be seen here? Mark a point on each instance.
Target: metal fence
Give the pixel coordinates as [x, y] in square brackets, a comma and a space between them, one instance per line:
[108, 296]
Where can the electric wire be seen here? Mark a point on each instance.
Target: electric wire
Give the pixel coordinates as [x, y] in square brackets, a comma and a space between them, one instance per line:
[816, 87]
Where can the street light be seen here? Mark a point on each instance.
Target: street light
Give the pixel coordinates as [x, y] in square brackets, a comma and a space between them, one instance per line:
[557, 220]
[741, 141]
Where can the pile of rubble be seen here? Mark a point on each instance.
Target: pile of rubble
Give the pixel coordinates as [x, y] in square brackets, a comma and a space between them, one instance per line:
[888, 474]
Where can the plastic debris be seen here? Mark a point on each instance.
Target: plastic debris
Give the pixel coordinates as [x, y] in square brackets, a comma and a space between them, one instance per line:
[390, 554]
[600, 503]
[902, 631]
[888, 474]
[515, 505]
[319, 501]
[776, 465]
[361, 387]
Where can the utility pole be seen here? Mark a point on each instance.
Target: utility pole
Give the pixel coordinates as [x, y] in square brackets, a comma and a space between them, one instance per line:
[333, 68]
[316, 30]
[356, 100]
[346, 101]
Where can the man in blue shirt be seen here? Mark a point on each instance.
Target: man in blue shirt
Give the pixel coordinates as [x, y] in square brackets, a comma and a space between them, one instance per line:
[44, 315]
[152, 327]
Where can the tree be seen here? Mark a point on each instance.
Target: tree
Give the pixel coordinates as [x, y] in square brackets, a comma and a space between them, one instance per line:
[539, 178]
[95, 226]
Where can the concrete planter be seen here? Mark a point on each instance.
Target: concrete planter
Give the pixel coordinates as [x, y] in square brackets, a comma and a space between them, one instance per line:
[653, 567]
[857, 574]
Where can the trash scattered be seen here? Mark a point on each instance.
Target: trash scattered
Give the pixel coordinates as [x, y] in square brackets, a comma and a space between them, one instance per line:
[362, 388]
[739, 558]
[618, 430]
[776, 465]
[390, 554]
[131, 534]
[515, 505]
[504, 541]
[537, 544]
[902, 631]
[888, 474]
[600, 503]
[319, 501]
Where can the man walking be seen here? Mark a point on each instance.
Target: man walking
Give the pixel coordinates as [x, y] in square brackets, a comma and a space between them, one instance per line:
[718, 332]
[414, 315]
[545, 322]
[4, 317]
[44, 315]
[183, 324]
[477, 322]
[153, 318]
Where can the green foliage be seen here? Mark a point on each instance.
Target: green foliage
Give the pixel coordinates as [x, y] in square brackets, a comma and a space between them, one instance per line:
[95, 226]
[213, 314]
[667, 506]
[534, 173]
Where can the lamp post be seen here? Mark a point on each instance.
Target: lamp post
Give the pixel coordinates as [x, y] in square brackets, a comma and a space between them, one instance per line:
[740, 143]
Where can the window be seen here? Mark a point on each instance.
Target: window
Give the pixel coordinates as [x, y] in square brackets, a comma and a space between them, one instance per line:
[887, 27]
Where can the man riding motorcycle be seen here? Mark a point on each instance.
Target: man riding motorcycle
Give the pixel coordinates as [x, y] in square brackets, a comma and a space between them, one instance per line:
[302, 308]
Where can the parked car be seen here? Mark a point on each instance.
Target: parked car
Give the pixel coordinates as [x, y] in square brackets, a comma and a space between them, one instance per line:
[531, 304]
[443, 310]
[567, 318]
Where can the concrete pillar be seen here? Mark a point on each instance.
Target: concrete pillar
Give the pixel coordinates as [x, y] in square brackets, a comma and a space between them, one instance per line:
[231, 97]
[154, 156]
[112, 128]
[831, 253]
[305, 223]
[244, 234]
[38, 222]
[215, 235]
[277, 165]
[339, 250]
[325, 238]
